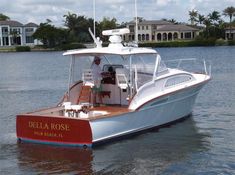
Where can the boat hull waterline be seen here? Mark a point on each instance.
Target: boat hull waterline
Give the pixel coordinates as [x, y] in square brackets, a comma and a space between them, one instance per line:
[72, 131]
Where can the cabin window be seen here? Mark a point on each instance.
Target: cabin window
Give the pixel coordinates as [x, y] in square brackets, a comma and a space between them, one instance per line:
[179, 79]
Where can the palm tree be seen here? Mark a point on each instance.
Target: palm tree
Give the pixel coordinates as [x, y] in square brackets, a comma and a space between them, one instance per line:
[229, 11]
[193, 16]
[71, 21]
[214, 17]
[201, 19]
[207, 23]
[173, 21]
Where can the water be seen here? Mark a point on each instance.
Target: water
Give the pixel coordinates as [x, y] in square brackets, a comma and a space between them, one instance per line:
[203, 144]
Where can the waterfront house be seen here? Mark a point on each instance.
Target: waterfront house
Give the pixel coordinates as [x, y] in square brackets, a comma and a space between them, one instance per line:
[227, 33]
[14, 33]
[160, 30]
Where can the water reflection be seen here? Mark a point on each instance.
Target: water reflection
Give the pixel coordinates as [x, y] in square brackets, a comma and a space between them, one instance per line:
[149, 153]
[50, 159]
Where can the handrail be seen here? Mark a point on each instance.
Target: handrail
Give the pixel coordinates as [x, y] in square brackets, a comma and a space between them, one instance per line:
[206, 66]
[136, 79]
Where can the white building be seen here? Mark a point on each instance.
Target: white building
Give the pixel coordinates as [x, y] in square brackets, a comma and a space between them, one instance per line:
[14, 33]
[159, 30]
[227, 33]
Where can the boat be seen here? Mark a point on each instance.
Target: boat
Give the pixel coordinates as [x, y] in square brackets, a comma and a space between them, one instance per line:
[140, 93]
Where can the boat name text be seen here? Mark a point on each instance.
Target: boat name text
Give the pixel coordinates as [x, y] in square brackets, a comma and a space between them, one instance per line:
[51, 126]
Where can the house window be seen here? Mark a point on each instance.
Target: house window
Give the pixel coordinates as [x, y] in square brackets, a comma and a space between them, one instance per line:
[138, 27]
[142, 27]
[143, 37]
[182, 35]
[188, 35]
[153, 37]
[4, 30]
[15, 31]
[147, 37]
[131, 28]
[29, 39]
[5, 41]
[147, 27]
[29, 30]
[133, 37]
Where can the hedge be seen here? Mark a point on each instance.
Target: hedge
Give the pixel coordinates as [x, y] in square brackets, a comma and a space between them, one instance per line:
[23, 49]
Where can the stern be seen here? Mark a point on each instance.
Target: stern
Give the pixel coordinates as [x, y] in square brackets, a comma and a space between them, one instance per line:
[53, 130]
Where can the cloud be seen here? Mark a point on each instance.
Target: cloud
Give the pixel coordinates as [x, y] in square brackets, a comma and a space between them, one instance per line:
[123, 10]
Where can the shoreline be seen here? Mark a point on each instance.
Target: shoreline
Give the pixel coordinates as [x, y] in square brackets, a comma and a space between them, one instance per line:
[166, 44]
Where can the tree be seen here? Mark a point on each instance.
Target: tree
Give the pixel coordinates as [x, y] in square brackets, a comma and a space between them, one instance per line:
[173, 21]
[71, 21]
[207, 23]
[214, 17]
[201, 19]
[106, 24]
[229, 11]
[4, 17]
[78, 27]
[193, 16]
[50, 35]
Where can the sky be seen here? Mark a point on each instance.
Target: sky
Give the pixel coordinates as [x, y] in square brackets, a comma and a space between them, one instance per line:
[38, 11]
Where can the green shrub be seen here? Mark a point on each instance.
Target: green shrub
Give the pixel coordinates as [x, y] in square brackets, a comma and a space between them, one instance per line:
[70, 46]
[23, 49]
[231, 42]
[220, 42]
[183, 43]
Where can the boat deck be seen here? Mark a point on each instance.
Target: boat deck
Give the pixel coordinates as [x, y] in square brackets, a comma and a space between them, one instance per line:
[100, 112]
[111, 110]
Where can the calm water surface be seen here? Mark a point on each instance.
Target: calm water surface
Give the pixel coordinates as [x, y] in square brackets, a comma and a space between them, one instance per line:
[203, 144]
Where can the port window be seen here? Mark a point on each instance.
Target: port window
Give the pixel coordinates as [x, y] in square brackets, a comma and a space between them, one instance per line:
[176, 80]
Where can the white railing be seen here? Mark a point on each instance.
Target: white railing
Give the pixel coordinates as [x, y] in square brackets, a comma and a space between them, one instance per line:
[203, 65]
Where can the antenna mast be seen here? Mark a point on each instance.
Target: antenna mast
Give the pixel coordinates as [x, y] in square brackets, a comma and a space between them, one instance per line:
[136, 24]
[94, 17]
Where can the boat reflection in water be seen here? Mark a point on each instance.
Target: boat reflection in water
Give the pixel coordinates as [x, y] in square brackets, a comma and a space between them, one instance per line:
[158, 150]
[48, 159]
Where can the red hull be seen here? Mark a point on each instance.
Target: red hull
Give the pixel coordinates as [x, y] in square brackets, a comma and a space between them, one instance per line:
[53, 130]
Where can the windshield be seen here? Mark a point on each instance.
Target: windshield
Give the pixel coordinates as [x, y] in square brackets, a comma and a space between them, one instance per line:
[138, 68]
[143, 66]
